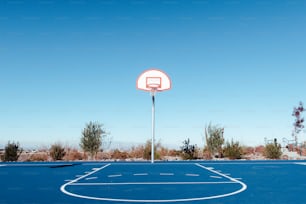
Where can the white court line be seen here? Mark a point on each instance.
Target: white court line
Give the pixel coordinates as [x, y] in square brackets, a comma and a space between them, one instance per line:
[77, 179]
[268, 162]
[300, 163]
[115, 175]
[94, 164]
[192, 175]
[54, 164]
[141, 174]
[231, 181]
[91, 178]
[218, 177]
[166, 174]
[2, 165]
[244, 186]
[150, 183]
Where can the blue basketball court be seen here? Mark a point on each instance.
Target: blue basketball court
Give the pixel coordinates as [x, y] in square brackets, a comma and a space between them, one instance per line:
[229, 182]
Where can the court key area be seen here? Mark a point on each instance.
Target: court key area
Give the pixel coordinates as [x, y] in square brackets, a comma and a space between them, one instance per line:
[162, 182]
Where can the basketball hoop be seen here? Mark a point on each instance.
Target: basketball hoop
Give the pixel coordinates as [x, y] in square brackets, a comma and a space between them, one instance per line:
[153, 81]
[153, 91]
[153, 86]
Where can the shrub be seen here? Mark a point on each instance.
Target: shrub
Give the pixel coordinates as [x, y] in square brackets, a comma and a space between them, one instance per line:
[1, 156]
[248, 150]
[12, 151]
[214, 140]
[38, 157]
[57, 152]
[260, 150]
[136, 152]
[105, 155]
[117, 154]
[233, 150]
[147, 150]
[163, 152]
[174, 153]
[273, 150]
[74, 154]
[188, 151]
[207, 154]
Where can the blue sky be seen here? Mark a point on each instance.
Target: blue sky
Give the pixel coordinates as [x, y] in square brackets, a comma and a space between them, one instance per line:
[238, 64]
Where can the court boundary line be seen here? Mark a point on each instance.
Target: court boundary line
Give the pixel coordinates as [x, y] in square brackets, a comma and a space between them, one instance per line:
[47, 164]
[150, 183]
[243, 188]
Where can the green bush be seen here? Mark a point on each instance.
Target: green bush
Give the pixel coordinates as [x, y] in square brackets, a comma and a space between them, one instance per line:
[92, 137]
[273, 150]
[12, 151]
[214, 140]
[233, 150]
[57, 152]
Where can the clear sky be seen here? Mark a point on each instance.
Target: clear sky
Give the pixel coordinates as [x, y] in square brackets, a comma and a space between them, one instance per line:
[238, 64]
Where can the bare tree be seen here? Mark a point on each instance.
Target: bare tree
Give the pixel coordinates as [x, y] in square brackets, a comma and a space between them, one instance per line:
[298, 122]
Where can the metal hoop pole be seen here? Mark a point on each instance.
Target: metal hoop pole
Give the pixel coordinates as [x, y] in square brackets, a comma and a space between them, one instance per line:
[153, 127]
